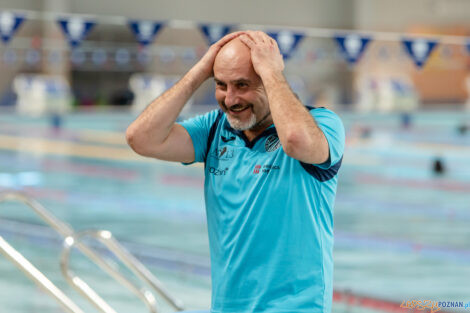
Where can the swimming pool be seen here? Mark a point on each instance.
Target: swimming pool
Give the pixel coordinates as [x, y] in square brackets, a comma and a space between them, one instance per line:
[401, 231]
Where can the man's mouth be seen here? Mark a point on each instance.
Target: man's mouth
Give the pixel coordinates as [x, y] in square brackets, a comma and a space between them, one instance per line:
[238, 108]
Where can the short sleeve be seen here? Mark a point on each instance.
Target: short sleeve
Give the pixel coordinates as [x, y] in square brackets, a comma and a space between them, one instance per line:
[333, 129]
[199, 128]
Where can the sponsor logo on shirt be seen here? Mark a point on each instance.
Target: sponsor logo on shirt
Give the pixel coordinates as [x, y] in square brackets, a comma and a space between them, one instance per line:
[265, 168]
[217, 171]
[222, 153]
[225, 139]
[272, 143]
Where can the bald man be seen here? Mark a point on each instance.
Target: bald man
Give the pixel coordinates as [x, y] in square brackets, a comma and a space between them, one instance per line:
[271, 169]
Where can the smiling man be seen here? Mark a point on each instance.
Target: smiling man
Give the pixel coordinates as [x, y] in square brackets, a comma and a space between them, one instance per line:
[239, 90]
[271, 169]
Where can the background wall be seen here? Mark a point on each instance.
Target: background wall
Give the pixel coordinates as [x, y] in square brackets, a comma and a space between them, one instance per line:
[323, 77]
[401, 15]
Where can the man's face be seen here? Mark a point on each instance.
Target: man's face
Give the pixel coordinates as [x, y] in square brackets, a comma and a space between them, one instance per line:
[240, 91]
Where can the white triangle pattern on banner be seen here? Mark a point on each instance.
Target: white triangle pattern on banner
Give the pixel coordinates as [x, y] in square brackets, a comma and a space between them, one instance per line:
[215, 32]
[353, 45]
[76, 28]
[285, 40]
[7, 22]
[146, 30]
[420, 49]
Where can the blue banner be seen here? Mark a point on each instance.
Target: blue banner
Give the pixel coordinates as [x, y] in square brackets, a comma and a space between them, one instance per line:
[467, 45]
[188, 56]
[54, 57]
[214, 32]
[145, 31]
[287, 41]
[122, 56]
[419, 49]
[352, 46]
[9, 24]
[10, 57]
[75, 29]
[78, 57]
[99, 57]
[167, 55]
[144, 57]
[32, 57]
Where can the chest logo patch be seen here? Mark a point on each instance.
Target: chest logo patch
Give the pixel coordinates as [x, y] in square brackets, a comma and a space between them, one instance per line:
[272, 143]
[222, 153]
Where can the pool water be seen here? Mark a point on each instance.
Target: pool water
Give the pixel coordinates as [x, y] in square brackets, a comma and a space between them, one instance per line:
[401, 231]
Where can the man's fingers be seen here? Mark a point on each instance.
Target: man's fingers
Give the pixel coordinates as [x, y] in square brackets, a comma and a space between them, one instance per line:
[247, 40]
[261, 36]
[228, 37]
[255, 36]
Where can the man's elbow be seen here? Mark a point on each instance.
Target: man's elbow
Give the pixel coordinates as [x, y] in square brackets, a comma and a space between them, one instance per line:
[301, 147]
[292, 144]
[134, 141]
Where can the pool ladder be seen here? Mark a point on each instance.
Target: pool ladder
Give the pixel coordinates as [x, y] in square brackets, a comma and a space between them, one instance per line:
[75, 239]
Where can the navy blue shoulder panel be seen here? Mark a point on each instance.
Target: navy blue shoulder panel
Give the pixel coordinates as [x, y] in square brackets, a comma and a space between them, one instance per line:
[212, 131]
[310, 108]
[321, 174]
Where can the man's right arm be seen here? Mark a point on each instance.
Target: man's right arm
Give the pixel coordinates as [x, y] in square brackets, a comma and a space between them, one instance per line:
[154, 133]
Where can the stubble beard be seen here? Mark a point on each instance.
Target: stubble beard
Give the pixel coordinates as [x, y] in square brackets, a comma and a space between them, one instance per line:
[240, 125]
[251, 124]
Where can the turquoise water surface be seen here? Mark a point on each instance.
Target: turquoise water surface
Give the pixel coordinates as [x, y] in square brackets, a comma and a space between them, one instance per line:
[401, 231]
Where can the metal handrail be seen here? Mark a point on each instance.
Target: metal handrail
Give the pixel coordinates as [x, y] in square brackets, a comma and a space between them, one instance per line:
[71, 239]
[35, 275]
[24, 265]
[62, 228]
[105, 237]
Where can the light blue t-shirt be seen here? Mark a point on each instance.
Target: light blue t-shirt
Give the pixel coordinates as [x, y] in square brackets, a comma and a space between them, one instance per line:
[269, 217]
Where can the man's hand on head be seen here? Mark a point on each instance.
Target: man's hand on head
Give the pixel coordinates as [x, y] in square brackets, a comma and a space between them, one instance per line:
[265, 54]
[206, 63]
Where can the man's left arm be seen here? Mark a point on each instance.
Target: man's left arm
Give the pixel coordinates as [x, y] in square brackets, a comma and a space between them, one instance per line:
[298, 132]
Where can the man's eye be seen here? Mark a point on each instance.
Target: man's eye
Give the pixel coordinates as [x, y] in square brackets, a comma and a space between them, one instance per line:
[220, 84]
[241, 85]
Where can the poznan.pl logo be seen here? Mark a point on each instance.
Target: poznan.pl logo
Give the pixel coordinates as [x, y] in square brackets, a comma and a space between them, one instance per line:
[433, 306]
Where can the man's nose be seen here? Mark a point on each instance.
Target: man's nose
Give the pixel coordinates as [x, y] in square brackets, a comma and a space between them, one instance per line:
[231, 97]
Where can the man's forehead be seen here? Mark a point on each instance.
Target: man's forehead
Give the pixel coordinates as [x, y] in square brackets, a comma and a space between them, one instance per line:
[234, 72]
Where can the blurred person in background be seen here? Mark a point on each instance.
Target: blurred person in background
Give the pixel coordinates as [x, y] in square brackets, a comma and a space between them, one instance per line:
[271, 169]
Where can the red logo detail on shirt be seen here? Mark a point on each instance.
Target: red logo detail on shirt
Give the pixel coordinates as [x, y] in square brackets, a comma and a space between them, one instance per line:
[265, 169]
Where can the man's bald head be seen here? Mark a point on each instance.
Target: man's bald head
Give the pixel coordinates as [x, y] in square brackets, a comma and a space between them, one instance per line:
[234, 48]
[233, 55]
[239, 90]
